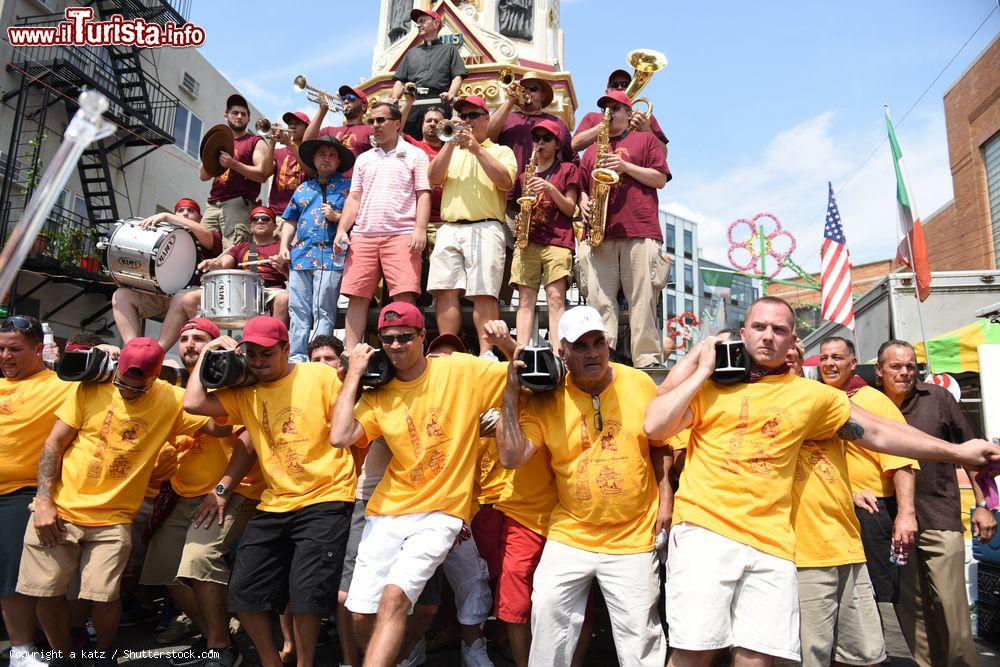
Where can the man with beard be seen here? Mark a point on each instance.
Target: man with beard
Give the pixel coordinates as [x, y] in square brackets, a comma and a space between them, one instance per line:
[186, 558]
[355, 134]
[933, 610]
[235, 191]
[731, 578]
[30, 394]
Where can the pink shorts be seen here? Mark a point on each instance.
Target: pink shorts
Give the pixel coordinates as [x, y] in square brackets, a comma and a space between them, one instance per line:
[372, 257]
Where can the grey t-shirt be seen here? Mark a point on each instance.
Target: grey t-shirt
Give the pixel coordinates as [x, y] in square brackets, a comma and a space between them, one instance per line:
[431, 65]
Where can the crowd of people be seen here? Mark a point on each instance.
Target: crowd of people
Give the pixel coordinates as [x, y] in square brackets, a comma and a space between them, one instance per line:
[764, 516]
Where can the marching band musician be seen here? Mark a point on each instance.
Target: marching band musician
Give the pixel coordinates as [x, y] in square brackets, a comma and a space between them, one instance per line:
[289, 172]
[130, 306]
[586, 131]
[547, 259]
[434, 65]
[629, 257]
[469, 254]
[386, 215]
[236, 190]
[312, 216]
[355, 133]
[262, 246]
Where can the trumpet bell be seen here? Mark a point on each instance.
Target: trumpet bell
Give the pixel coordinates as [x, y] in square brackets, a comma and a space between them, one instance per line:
[263, 127]
[505, 77]
[646, 60]
[299, 83]
[605, 176]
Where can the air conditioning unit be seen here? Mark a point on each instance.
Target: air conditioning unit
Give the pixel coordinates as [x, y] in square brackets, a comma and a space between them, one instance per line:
[190, 85]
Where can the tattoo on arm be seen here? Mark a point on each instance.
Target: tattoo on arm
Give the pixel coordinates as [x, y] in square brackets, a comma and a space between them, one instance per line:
[851, 431]
[49, 463]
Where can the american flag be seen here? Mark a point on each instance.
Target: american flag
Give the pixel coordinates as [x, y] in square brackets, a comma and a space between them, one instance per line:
[838, 301]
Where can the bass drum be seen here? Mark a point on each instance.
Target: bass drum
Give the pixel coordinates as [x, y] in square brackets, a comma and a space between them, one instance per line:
[161, 260]
[230, 297]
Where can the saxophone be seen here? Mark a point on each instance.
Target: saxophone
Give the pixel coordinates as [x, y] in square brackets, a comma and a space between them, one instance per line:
[602, 180]
[527, 202]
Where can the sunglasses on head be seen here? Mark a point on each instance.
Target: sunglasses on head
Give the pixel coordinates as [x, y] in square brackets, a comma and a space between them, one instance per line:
[471, 115]
[618, 85]
[402, 339]
[378, 120]
[22, 324]
[262, 218]
[543, 137]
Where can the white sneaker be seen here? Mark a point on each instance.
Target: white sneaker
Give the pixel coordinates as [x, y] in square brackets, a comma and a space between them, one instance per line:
[476, 655]
[24, 657]
[417, 657]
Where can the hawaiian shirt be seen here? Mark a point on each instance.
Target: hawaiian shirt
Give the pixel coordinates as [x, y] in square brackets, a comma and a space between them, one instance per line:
[313, 249]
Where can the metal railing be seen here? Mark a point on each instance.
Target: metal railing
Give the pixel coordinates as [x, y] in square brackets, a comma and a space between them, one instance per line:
[68, 240]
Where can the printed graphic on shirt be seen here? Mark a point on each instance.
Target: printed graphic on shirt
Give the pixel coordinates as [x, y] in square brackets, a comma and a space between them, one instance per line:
[814, 461]
[115, 460]
[285, 447]
[431, 441]
[289, 174]
[751, 448]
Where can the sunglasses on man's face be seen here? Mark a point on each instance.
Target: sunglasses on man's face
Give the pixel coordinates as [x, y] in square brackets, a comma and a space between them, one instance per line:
[618, 85]
[532, 87]
[348, 97]
[543, 137]
[379, 120]
[390, 339]
[121, 385]
[262, 218]
[471, 115]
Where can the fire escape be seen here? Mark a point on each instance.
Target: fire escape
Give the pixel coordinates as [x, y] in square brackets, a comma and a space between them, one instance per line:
[51, 79]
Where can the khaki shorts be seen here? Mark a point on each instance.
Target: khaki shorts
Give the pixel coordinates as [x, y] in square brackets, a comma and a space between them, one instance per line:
[468, 257]
[537, 265]
[154, 305]
[839, 616]
[231, 218]
[98, 553]
[270, 294]
[180, 552]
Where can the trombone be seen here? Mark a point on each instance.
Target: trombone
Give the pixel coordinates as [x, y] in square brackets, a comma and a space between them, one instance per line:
[313, 94]
[269, 130]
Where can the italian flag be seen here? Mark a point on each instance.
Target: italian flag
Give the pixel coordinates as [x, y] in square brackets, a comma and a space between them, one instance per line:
[717, 283]
[912, 250]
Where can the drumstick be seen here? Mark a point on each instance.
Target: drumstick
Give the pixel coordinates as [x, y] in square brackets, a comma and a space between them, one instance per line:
[259, 261]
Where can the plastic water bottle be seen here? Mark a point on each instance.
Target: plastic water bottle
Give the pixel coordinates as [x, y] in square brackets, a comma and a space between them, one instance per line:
[50, 351]
[340, 258]
[897, 554]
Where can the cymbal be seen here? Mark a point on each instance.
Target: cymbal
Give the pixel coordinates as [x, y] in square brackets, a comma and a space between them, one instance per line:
[219, 138]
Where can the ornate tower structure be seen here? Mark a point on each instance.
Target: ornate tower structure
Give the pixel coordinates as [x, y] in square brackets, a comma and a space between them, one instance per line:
[520, 34]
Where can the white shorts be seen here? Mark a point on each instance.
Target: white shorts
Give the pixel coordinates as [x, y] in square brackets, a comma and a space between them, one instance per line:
[402, 550]
[470, 579]
[721, 593]
[468, 256]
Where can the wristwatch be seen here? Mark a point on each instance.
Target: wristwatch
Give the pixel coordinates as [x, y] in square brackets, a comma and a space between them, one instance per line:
[222, 490]
[983, 505]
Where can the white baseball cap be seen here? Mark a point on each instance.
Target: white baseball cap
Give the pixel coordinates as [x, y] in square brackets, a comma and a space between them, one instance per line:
[579, 320]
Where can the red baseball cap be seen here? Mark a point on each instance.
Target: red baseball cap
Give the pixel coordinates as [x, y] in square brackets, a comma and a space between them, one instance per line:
[190, 203]
[348, 90]
[614, 96]
[265, 331]
[471, 100]
[263, 209]
[447, 340]
[76, 347]
[550, 126]
[144, 355]
[202, 324]
[417, 13]
[409, 316]
[289, 116]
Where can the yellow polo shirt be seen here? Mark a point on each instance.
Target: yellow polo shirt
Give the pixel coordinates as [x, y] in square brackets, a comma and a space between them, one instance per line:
[468, 193]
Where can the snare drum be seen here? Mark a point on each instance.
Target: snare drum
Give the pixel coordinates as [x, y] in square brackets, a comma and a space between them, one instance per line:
[230, 297]
[161, 260]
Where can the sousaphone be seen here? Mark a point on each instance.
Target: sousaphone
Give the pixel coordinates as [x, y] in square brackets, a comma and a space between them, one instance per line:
[219, 138]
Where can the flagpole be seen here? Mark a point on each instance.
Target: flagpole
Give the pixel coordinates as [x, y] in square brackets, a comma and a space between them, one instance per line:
[913, 269]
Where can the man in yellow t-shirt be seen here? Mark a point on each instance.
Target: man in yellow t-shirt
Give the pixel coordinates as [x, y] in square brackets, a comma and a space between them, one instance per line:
[429, 417]
[92, 477]
[731, 579]
[189, 559]
[604, 523]
[292, 550]
[30, 394]
[468, 257]
[883, 485]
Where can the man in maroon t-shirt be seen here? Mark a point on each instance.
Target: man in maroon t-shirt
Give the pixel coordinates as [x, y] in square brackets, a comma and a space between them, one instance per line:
[629, 258]
[131, 306]
[289, 171]
[548, 258]
[586, 131]
[262, 246]
[236, 190]
[355, 133]
[430, 144]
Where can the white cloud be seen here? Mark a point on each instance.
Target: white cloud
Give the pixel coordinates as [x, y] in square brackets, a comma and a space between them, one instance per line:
[788, 178]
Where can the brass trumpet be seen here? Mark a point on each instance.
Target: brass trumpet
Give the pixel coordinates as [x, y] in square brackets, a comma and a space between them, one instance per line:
[513, 89]
[317, 96]
[269, 130]
[645, 63]
[448, 129]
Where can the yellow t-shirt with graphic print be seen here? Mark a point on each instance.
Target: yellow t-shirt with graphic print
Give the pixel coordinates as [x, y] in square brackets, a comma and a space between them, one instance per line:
[27, 414]
[531, 493]
[873, 470]
[107, 467]
[289, 425]
[493, 477]
[201, 460]
[607, 497]
[743, 452]
[431, 425]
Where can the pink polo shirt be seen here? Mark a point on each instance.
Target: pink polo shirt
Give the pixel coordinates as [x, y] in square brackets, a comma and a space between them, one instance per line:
[389, 183]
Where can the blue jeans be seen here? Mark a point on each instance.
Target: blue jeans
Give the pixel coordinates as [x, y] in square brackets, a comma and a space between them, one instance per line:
[312, 307]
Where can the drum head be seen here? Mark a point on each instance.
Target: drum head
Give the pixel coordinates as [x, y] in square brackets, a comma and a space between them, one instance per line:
[174, 261]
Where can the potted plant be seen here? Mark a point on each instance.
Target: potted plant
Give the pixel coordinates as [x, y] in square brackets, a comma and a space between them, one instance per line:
[90, 264]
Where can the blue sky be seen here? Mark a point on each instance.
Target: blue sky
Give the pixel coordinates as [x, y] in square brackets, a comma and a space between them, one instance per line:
[763, 102]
